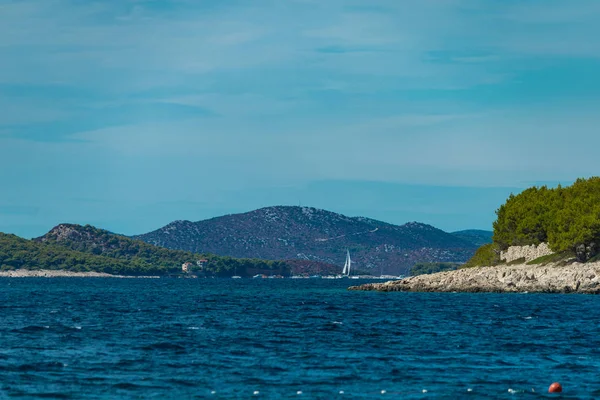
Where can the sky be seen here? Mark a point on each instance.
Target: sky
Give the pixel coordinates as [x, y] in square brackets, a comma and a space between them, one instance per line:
[129, 114]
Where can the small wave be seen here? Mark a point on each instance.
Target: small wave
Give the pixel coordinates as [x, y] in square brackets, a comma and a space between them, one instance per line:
[330, 327]
[182, 382]
[127, 362]
[239, 353]
[65, 328]
[127, 386]
[575, 367]
[134, 386]
[51, 395]
[45, 328]
[515, 391]
[273, 369]
[31, 329]
[42, 366]
[164, 346]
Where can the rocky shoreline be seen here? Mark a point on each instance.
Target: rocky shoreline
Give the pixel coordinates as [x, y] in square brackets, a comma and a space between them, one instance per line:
[44, 273]
[522, 278]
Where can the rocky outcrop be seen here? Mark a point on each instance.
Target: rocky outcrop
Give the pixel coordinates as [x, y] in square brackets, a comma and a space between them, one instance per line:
[585, 252]
[551, 278]
[528, 253]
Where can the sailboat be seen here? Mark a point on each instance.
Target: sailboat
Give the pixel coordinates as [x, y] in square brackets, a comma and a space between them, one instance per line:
[347, 265]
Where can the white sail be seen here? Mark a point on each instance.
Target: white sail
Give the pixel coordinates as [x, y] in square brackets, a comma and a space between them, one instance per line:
[349, 261]
[347, 264]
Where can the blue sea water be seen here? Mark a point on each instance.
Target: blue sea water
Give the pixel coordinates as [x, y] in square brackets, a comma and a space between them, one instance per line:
[222, 339]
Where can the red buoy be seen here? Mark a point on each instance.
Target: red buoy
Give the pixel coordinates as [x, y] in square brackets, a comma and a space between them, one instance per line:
[555, 388]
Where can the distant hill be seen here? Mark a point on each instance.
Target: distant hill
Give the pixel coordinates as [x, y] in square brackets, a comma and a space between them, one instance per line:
[283, 232]
[475, 236]
[19, 253]
[79, 248]
[124, 255]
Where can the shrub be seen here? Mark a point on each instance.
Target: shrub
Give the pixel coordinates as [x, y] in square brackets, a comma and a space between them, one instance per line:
[486, 255]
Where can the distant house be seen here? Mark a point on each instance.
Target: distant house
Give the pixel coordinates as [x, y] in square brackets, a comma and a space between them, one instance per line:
[185, 267]
[201, 263]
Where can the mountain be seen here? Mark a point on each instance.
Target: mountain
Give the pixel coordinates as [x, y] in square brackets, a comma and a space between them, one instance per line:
[283, 232]
[475, 236]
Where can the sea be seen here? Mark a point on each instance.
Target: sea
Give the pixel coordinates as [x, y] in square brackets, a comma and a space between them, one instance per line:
[95, 338]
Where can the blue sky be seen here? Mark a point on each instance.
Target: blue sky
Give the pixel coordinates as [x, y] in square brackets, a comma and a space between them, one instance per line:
[129, 114]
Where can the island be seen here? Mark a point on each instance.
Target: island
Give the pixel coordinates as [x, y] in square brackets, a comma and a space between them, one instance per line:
[71, 250]
[546, 240]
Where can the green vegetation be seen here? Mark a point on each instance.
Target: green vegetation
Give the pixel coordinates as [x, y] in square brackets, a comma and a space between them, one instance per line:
[553, 258]
[485, 256]
[86, 248]
[567, 218]
[146, 257]
[18, 253]
[432, 268]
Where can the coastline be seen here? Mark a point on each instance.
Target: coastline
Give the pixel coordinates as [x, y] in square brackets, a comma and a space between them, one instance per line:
[46, 273]
[519, 278]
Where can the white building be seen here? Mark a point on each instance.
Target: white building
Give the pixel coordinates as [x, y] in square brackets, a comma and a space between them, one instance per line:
[185, 267]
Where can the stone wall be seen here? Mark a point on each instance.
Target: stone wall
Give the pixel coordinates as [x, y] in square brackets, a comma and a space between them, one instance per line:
[527, 252]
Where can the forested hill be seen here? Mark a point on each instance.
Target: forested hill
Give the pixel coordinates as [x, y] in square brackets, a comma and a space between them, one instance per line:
[85, 248]
[18, 253]
[318, 235]
[143, 258]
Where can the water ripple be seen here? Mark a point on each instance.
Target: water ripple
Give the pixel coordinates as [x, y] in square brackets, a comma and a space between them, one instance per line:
[172, 339]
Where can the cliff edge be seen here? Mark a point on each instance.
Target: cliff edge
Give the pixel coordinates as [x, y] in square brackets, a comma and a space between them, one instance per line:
[549, 278]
